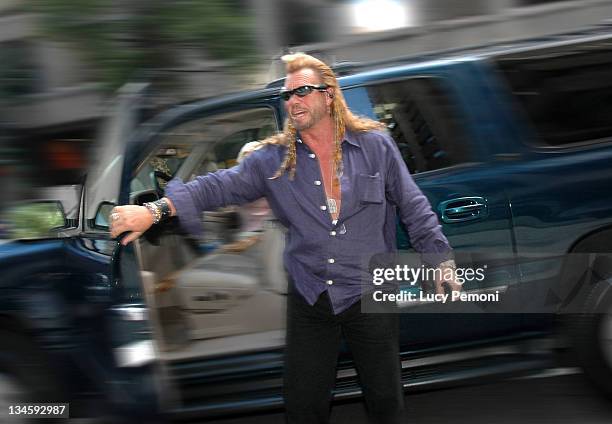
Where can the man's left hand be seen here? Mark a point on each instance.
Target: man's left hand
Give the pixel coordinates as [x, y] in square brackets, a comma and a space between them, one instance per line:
[448, 269]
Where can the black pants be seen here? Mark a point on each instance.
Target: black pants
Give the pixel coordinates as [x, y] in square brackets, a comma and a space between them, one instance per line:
[313, 341]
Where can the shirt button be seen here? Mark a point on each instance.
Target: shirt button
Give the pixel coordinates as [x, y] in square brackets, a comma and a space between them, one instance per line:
[311, 155]
[317, 182]
[332, 233]
[323, 208]
[330, 282]
[299, 140]
[331, 260]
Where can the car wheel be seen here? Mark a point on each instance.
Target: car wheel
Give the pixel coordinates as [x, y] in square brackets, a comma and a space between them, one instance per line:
[592, 335]
[25, 377]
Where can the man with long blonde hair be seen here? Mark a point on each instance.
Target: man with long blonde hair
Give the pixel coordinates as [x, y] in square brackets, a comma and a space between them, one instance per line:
[337, 182]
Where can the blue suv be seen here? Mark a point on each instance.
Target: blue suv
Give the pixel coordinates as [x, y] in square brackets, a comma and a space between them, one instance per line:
[511, 144]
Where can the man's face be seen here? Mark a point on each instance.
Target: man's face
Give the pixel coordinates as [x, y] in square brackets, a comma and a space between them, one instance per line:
[305, 112]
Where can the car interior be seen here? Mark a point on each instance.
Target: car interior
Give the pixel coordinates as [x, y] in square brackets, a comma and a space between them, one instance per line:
[205, 291]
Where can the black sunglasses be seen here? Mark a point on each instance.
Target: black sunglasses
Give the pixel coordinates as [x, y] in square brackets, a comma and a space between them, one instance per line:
[302, 91]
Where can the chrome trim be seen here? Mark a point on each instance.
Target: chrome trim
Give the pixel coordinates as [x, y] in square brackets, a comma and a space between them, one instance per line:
[135, 354]
[448, 358]
[131, 312]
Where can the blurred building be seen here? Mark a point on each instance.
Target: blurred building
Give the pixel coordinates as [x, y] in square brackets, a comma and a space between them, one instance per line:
[51, 101]
[48, 109]
[368, 30]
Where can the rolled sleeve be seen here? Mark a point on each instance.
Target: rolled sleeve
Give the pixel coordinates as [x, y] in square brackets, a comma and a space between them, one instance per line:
[234, 186]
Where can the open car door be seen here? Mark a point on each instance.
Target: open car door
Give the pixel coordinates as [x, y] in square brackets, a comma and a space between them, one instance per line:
[217, 301]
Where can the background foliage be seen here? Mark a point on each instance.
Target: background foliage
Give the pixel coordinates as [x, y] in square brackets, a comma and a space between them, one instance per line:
[127, 38]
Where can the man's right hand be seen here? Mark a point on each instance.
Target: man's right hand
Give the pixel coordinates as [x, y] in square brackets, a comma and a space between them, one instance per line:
[130, 218]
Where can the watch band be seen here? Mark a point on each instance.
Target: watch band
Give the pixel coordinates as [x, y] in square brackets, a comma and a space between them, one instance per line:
[160, 209]
[155, 211]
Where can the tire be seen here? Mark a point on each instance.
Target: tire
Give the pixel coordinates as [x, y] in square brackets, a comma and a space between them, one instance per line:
[25, 377]
[592, 336]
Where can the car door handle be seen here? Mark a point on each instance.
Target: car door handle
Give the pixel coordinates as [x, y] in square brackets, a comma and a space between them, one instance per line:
[463, 209]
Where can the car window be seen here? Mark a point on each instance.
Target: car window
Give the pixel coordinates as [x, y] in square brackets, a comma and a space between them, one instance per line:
[202, 145]
[566, 92]
[227, 228]
[421, 117]
[206, 145]
[160, 168]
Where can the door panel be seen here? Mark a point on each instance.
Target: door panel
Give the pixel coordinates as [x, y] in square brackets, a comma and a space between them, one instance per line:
[447, 164]
[559, 188]
[214, 285]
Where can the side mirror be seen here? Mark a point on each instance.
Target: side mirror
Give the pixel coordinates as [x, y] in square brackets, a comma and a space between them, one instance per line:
[101, 222]
[102, 219]
[35, 220]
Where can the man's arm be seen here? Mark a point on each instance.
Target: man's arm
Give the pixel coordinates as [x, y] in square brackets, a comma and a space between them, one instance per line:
[415, 211]
[240, 184]
[416, 214]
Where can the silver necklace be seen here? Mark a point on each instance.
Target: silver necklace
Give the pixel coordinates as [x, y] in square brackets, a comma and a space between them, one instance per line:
[331, 202]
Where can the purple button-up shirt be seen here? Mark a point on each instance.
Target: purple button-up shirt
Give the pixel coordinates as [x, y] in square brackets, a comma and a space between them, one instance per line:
[321, 255]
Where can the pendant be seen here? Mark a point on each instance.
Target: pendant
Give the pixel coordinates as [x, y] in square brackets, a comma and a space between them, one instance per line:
[331, 205]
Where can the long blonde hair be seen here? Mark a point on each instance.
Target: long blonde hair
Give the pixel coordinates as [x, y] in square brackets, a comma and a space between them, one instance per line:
[342, 116]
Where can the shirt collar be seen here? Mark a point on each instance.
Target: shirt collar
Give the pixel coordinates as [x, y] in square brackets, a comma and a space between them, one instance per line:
[349, 136]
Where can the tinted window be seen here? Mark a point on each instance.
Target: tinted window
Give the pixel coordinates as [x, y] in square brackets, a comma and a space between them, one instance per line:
[566, 91]
[421, 118]
[205, 145]
[211, 143]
